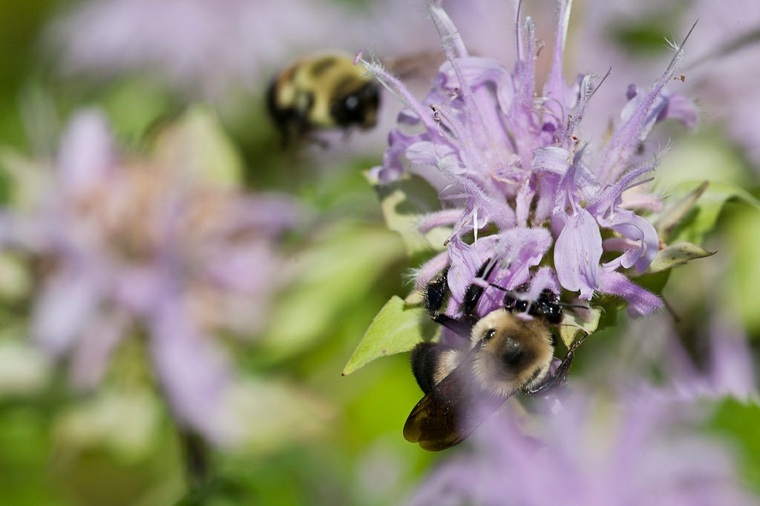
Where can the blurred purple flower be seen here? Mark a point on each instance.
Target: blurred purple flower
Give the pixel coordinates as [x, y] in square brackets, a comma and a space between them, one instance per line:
[503, 154]
[718, 362]
[210, 44]
[213, 47]
[145, 245]
[721, 72]
[591, 452]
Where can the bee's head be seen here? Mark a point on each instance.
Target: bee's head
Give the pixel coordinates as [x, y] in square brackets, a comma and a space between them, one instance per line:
[357, 107]
[511, 352]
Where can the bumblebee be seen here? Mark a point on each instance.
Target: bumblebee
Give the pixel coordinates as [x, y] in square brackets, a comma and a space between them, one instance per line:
[507, 353]
[322, 92]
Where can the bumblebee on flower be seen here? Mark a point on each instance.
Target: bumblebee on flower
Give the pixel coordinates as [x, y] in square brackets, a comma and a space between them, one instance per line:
[532, 214]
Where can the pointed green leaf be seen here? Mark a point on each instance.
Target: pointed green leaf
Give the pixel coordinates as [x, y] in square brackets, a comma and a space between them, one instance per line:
[706, 210]
[396, 328]
[402, 215]
[677, 254]
[675, 213]
[575, 322]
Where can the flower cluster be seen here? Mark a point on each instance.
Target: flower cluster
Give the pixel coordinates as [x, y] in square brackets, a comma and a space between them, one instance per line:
[125, 246]
[628, 451]
[517, 180]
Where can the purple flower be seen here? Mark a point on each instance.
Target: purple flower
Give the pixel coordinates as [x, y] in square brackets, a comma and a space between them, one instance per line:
[204, 46]
[509, 160]
[720, 71]
[128, 246]
[592, 452]
[216, 48]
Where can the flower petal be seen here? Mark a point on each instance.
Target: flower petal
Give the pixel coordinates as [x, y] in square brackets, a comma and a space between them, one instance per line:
[577, 253]
[641, 302]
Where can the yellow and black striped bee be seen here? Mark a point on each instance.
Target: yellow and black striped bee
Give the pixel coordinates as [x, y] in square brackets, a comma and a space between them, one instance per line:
[507, 353]
[329, 91]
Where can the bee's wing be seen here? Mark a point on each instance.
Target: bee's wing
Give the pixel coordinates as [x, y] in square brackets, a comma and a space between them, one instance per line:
[417, 70]
[451, 411]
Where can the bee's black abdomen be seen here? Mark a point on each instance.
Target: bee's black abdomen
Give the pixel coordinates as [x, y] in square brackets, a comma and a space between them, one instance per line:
[426, 358]
[290, 122]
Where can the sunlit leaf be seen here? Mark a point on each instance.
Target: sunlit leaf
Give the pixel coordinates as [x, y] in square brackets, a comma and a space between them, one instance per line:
[283, 413]
[396, 328]
[27, 178]
[402, 215]
[124, 422]
[198, 141]
[677, 254]
[24, 369]
[330, 280]
[739, 421]
[741, 280]
[577, 321]
[706, 210]
[676, 212]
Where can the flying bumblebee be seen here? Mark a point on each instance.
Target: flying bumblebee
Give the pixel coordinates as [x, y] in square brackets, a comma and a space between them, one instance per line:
[322, 92]
[508, 353]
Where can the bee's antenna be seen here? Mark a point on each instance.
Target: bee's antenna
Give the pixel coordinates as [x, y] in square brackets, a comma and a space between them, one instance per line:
[576, 306]
[488, 268]
[494, 285]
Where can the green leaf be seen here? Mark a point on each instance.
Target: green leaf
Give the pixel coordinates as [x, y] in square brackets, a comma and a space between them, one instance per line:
[199, 142]
[706, 210]
[575, 322]
[332, 277]
[127, 422]
[677, 254]
[26, 178]
[740, 421]
[676, 213]
[402, 214]
[396, 328]
[284, 412]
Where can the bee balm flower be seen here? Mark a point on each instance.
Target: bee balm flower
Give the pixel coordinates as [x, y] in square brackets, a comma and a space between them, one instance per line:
[147, 247]
[519, 183]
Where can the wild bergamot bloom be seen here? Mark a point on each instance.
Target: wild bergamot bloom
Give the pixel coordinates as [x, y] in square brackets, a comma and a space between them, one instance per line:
[153, 246]
[626, 450]
[517, 180]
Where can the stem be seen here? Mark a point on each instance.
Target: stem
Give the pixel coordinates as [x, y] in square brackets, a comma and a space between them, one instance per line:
[198, 466]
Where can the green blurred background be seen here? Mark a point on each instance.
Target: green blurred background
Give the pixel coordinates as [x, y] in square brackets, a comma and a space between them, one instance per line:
[119, 447]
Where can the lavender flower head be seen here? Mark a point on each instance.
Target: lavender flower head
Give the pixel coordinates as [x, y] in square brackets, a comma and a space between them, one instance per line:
[127, 246]
[518, 181]
[591, 452]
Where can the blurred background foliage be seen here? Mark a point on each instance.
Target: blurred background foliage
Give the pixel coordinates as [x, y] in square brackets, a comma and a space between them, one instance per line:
[118, 446]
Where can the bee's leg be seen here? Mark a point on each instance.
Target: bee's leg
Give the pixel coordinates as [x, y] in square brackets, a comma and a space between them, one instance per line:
[475, 291]
[559, 377]
[435, 293]
[459, 327]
